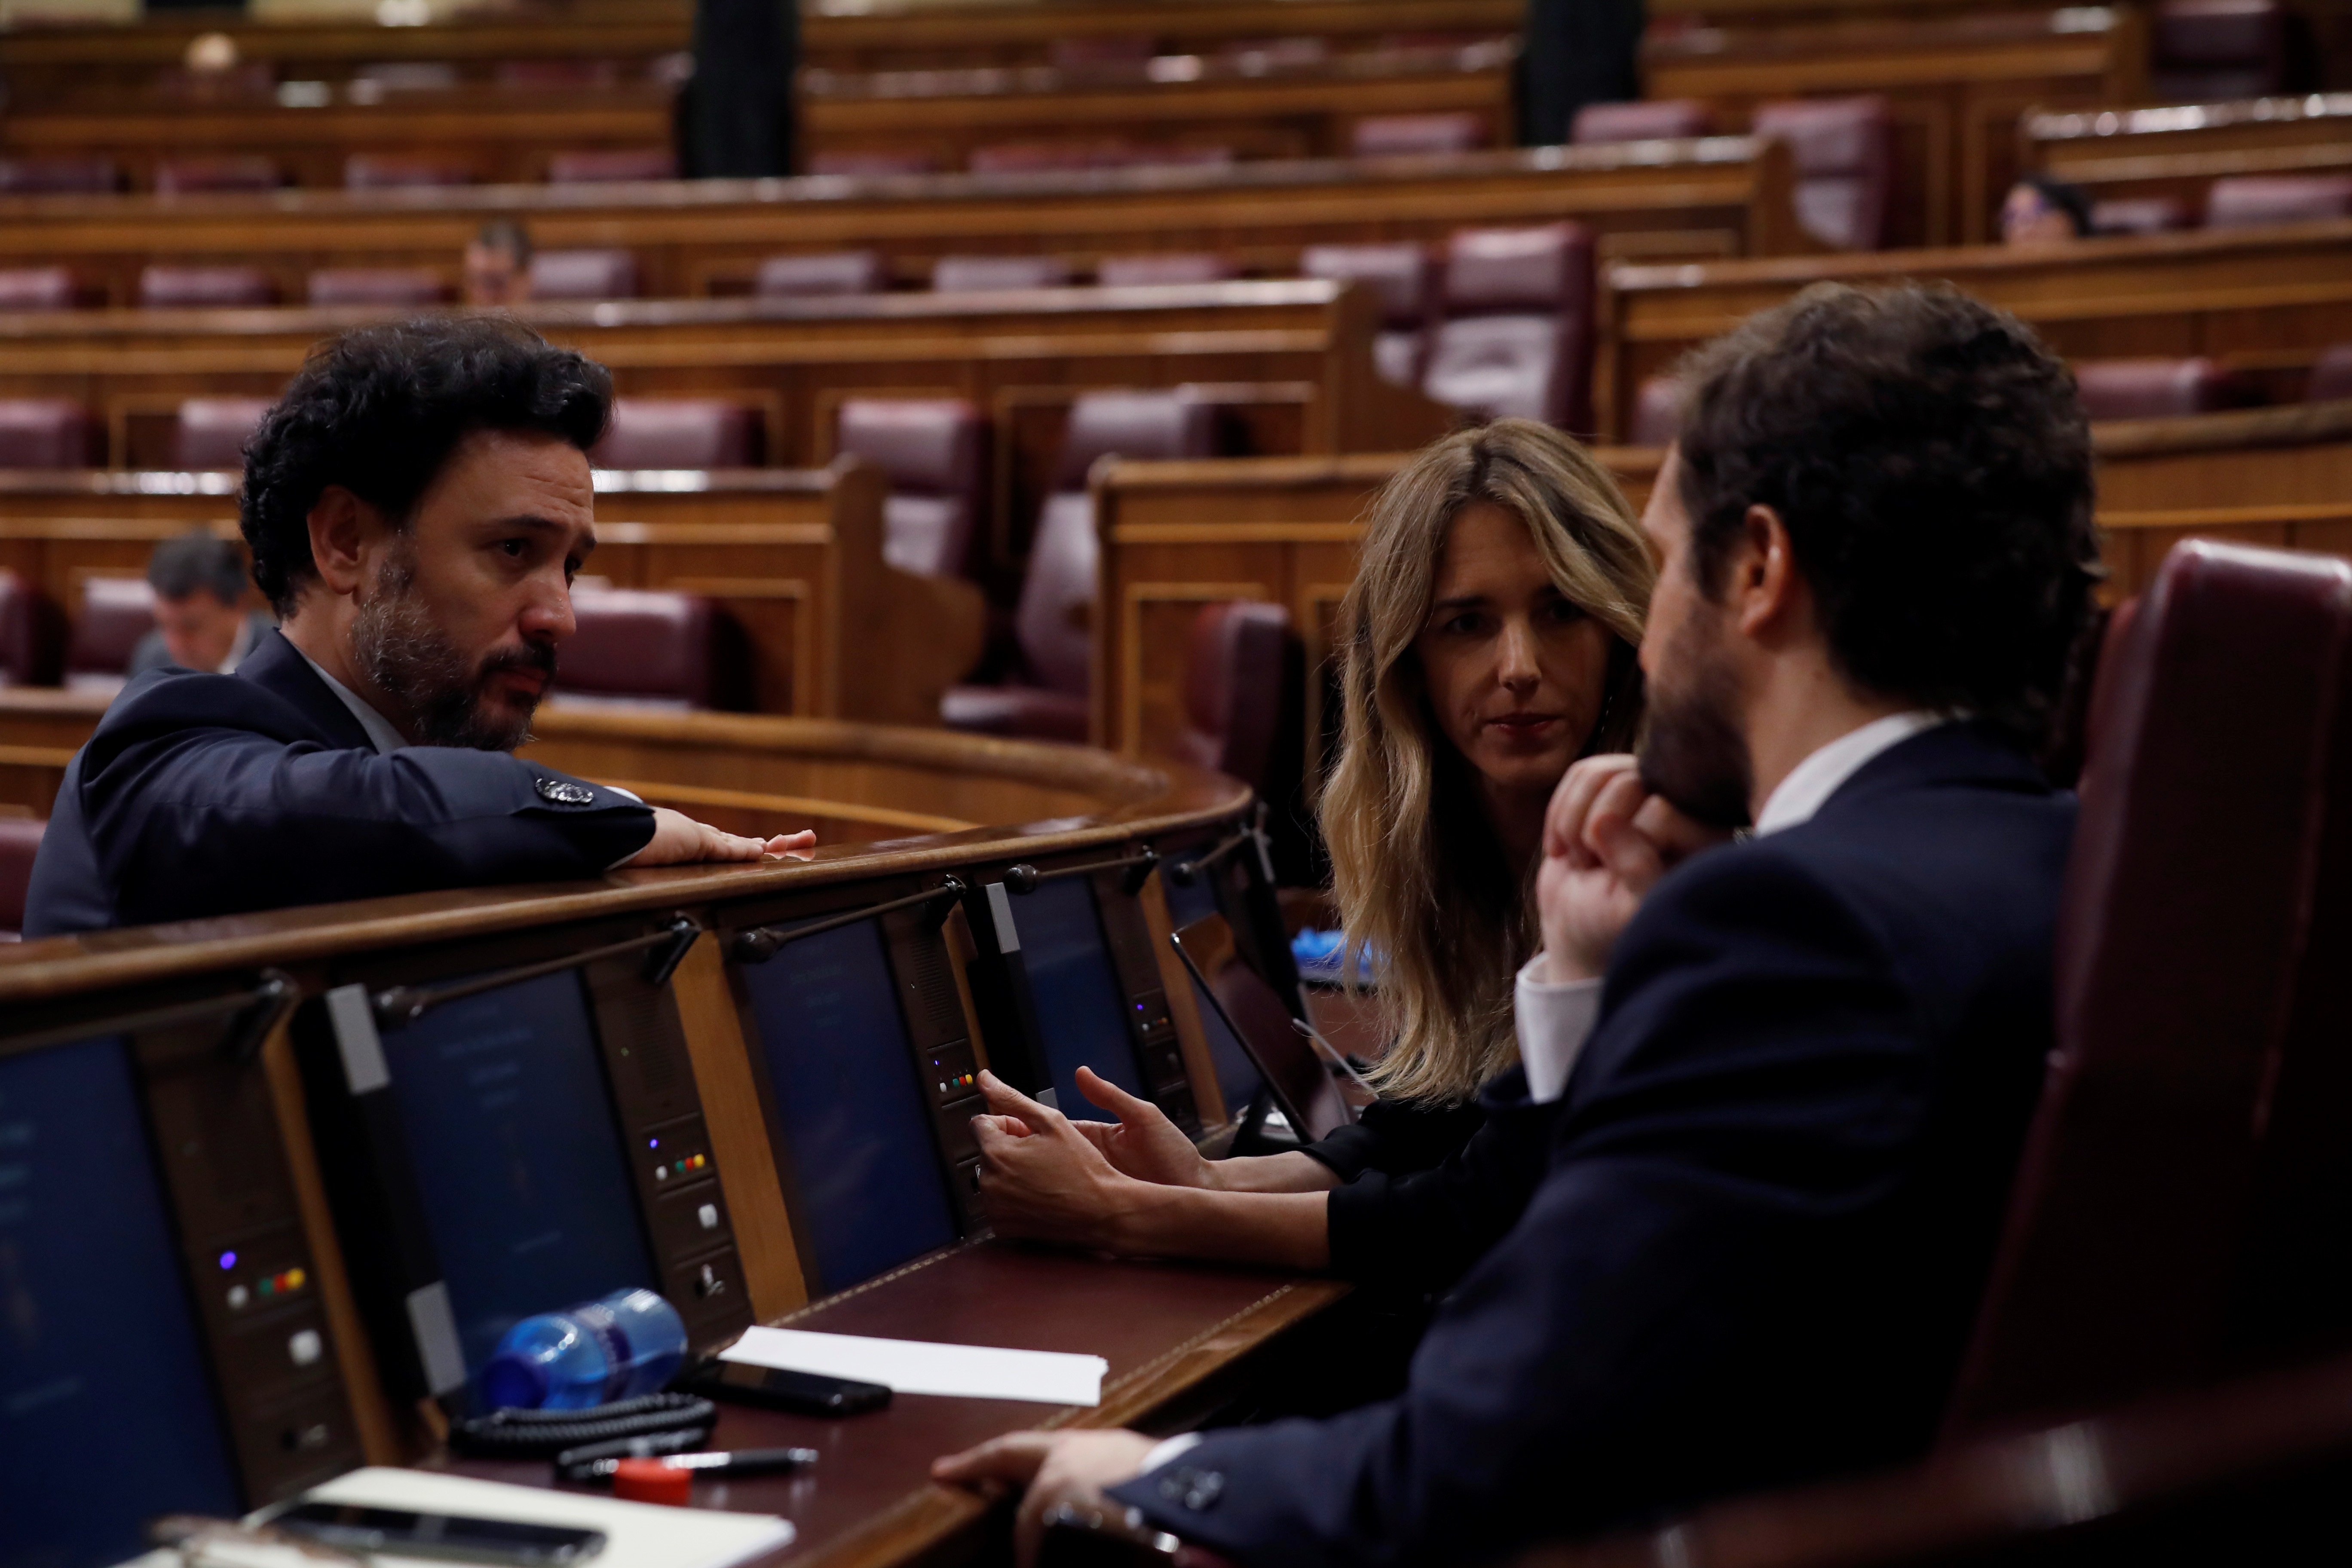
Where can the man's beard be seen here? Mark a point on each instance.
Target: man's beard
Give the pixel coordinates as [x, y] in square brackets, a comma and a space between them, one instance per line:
[1692, 751]
[397, 644]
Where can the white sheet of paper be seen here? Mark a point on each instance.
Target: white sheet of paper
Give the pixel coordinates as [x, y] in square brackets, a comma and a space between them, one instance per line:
[919, 1366]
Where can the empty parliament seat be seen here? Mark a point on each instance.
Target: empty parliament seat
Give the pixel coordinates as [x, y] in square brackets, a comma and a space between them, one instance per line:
[2141, 215]
[39, 288]
[1657, 412]
[649, 649]
[114, 614]
[1515, 334]
[47, 433]
[872, 166]
[2250, 201]
[194, 176]
[2331, 377]
[205, 288]
[981, 274]
[1041, 157]
[1405, 275]
[2203, 50]
[1845, 154]
[1046, 699]
[1400, 135]
[380, 172]
[612, 165]
[932, 449]
[408, 76]
[32, 634]
[375, 286]
[1142, 271]
[1242, 685]
[1662, 119]
[59, 173]
[679, 433]
[211, 431]
[826, 273]
[556, 75]
[584, 275]
[2185, 916]
[2153, 388]
[20, 841]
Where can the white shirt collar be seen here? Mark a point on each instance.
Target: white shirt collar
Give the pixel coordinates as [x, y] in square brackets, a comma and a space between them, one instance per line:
[380, 735]
[1811, 782]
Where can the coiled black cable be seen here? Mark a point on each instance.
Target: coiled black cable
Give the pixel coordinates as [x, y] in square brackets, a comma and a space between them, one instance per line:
[543, 1434]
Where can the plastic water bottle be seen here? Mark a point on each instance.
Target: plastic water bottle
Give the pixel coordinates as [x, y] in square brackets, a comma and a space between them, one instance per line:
[628, 1344]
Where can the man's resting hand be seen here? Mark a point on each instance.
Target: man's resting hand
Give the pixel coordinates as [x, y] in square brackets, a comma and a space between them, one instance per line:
[680, 840]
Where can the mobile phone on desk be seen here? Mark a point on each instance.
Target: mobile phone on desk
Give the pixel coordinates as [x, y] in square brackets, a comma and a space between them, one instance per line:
[801, 1393]
[398, 1532]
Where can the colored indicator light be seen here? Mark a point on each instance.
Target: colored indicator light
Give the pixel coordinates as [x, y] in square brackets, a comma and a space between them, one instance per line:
[268, 1288]
[296, 1279]
[229, 1260]
[653, 1143]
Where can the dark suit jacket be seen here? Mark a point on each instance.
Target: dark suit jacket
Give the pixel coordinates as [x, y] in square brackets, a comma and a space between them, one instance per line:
[1776, 1179]
[212, 795]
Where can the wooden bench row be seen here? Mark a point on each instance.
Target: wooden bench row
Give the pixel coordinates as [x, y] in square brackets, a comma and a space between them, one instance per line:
[2177, 152]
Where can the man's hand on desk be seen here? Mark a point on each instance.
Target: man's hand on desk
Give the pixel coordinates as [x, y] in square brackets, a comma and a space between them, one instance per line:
[1058, 1467]
[1041, 1178]
[680, 840]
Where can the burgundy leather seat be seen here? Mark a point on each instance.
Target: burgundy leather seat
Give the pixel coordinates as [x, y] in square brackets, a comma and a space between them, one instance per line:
[1653, 120]
[47, 433]
[1406, 277]
[2153, 388]
[1657, 412]
[2331, 377]
[1517, 338]
[2250, 201]
[2141, 215]
[551, 75]
[1041, 157]
[1161, 156]
[1403, 135]
[37, 289]
[679, 433]
[32, 634]
[212, 431]
[20, 840]
[2184, 920]
[377, 286]
[1242, 696]
[612, 165]
[826, 273]
[382, 172]
[981, 274]
[2207, 50]
[408, 76]
[204, 288]
[1144, 271]
[1052, 627]
[1132, 51]
[650, 648]
[115, 613]
[933, 449]
[584, 275]
[189, 176]
[62, 174]
[872, 166]
[1844, 153]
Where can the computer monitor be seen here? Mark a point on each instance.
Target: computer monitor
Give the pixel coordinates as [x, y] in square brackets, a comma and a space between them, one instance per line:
[1195, 898]
[1294, 1072]
[860, 1110]
[1083, 1010]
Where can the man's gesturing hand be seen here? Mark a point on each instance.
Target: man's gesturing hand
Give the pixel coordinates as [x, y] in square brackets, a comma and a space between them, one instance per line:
[680, 840]
[1606, 841]
[1058, 1467]
[1040, 1178]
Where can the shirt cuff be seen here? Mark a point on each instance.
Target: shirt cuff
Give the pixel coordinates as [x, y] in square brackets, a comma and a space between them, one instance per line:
[1554, 1020]
[1169, 1452]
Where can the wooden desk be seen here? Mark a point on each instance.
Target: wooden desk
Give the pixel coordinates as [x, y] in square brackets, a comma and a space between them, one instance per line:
[795, 556]
[2180, 150]
[2262, 301]
[1956, 86]
[1189, 102]
[495, 135]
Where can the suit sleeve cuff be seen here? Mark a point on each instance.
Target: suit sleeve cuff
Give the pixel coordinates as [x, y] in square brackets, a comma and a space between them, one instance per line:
[1554, 1020]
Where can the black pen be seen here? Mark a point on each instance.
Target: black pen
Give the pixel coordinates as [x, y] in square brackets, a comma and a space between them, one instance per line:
[740, 1462]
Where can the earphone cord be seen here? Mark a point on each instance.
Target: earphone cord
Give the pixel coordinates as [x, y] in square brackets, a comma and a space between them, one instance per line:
[543, 1434]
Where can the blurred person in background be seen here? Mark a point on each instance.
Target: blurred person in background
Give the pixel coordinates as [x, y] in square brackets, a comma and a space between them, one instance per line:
[201, 618]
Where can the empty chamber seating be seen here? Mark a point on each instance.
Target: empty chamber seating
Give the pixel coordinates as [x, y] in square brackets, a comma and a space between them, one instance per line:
[37, 289]
[679, 433]
[1517, 334]
[1845, 154]
[1046, 699]
[1396, 135]
[20, 841]
[610, 166]
[650, 649]
[2141, 215]
[2332, 376]
[872, 166]
[47, 432]
[932, 447]
[1654, 120]
[584, 275]
[1405, 275]
[199, 287]
[58, 174]
[981, 273]
[379, 171]
[32, 636]
[2210, 49]
[826, 273]
[2250, 201]
[1657, 412]
[115, 613]
[377, 286]
[1142, 271]
[1241, 684]
[211, 431]
[2153, 388]
[192, 177]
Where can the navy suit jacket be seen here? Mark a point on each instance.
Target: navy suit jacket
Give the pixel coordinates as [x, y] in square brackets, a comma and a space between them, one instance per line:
[212, 794]
[1775, 1182]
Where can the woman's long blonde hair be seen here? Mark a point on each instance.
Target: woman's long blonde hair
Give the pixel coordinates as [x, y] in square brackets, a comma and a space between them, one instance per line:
[1421, 880]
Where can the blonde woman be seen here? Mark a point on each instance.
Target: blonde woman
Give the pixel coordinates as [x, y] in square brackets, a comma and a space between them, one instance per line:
[1487, 642]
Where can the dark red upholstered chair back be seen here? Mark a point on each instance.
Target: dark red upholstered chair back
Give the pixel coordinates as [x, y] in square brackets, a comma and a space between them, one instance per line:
[37, 289]
[2141, 215]
[1146, 271]
[2207, 49]
[632, 645]
[1134, 51]
[1657, 412]
[2184, 920]
[611, 166]
[933, 449]
[1405, 274]
[20, 841]
[408, 76]
[1160, 155]
[205, 288]
[2331, 377]
[584, 275]
[54, 174]
[981, 273]
[1041, 157]
[1240, 687]
[2153, 388]
[1845, 154]
[826, 273]
[32, 634]
[1403, 135]
[211, 431]
[47, 433]
[556, 76]
[872, 166]
[386, 171]
[679, 433]
[2250, 201]
[114, 614]
[1517, 338]
[1655, 119]
[377, 286]
[1146, 427]
[191, 176]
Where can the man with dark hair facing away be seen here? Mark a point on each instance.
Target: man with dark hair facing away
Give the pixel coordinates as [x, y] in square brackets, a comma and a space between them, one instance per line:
[498, 264]
[417, 506]
[1792, 1074]
[201, 621]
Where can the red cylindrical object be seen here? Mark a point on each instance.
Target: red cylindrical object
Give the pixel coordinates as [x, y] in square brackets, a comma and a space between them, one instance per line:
[650, 1481]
